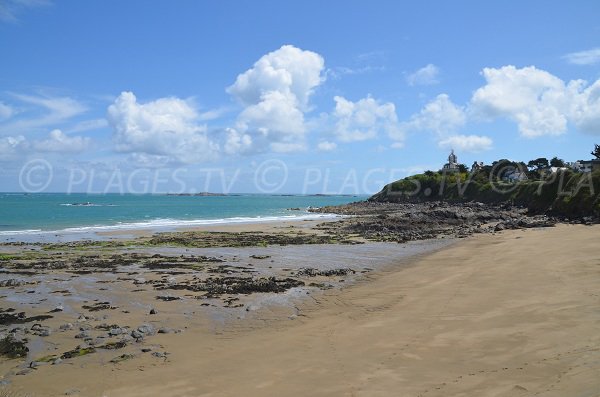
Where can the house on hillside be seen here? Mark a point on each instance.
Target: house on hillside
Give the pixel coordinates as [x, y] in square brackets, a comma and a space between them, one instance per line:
[514, 176]
[586, 165]
[477, 166]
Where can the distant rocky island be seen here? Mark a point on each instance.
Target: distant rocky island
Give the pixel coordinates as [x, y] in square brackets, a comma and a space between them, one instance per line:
[201, 194]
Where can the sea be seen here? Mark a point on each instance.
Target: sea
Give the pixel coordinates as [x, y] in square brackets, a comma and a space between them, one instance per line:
[64, 217]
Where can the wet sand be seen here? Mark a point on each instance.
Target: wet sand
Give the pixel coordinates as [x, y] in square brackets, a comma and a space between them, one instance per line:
[509, 314]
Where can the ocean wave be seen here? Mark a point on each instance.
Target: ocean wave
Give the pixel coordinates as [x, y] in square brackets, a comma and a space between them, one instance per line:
[88, 204]
[168, 224]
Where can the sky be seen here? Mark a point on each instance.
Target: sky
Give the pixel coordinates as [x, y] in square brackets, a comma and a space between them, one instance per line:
[333, 97]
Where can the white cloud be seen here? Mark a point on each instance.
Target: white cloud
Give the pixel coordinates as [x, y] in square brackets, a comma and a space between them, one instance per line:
[88, 125]
[237, 142]
[6, 111]
[585, 114]
[427, 75]
[364, 119]
[539, 102]
[275, 94]
[164, 127]
[60, 143]
[588, 57]
[440, 116]
[11, 146]
[9, 9]
[41, 111]
[57, 142]
[534, 99]
[326, 146]
[467, 143]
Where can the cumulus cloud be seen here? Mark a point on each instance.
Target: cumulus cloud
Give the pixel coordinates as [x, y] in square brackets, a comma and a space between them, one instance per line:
[588, 57]
[237, 142]
[59, 142]
[585, 113]
[275, 94]
[539, 102]
[440, 116]
[467, 143]
[364, 119]
[533, 98]
[427, 75]
[11, 146]
[326, 146]
[164, 127]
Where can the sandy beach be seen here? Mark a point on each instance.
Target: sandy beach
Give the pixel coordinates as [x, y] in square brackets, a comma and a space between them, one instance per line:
[507, 314]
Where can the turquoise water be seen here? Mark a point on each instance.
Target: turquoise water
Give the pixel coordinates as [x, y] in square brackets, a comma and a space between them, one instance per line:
[35, 213]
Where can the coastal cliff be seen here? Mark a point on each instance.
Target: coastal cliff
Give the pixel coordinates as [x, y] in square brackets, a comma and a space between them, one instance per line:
[562, 194]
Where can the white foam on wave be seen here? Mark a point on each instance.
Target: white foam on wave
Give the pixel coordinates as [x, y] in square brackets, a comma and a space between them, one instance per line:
[167, 224]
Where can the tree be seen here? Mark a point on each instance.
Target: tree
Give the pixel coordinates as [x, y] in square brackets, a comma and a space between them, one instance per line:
[539, 164]
[462, 168]
[596, 152]
[556, 162]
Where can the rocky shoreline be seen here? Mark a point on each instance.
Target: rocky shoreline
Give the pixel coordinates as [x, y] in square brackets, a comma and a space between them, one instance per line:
[401, 222]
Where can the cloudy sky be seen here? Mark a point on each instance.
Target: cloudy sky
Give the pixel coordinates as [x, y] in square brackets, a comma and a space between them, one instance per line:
[305, 97]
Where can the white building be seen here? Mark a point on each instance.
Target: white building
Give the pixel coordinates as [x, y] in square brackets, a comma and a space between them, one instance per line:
[452, 164]
[586, 165]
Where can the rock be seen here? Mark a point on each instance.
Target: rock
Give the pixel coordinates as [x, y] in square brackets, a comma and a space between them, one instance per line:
[24, 371]
[57, 361]
[499, 227]
[81, 318]
[164, 330]
[137, 334]
[35, 364]
[153, 311]
[146, 329]
[122, 357]
[66, 327]
[115, 331]
[146, 350]
[82, 335]
[12, 282]
[45, 332]
[159, 354]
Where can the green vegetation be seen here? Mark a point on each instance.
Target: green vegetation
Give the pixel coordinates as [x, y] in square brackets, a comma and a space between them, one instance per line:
[78, 352]
[47, 359]
[564, 193]
[13, 348]
[121, 358]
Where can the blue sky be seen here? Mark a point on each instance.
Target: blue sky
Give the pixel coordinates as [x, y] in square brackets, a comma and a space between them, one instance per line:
[272, 96]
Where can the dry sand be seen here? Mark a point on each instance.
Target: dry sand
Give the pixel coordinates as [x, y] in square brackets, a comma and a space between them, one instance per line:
[511, 314]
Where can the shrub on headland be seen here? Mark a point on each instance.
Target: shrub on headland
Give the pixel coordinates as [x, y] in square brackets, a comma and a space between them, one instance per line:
[564, 193]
